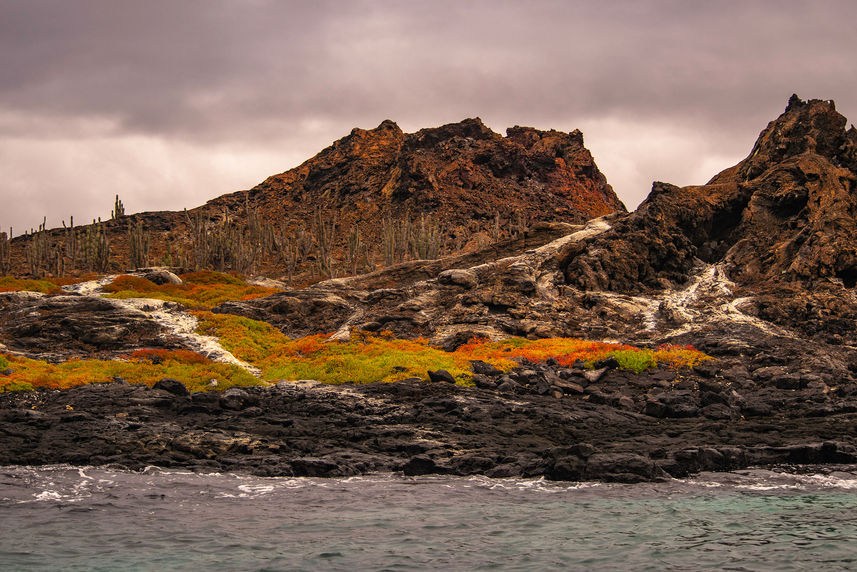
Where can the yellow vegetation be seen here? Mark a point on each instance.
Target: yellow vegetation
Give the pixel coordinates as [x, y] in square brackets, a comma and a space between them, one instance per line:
[146, 367]
[368, 357]
[201, 290]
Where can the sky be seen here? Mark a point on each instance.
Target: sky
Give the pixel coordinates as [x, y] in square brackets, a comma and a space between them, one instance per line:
[171, 103]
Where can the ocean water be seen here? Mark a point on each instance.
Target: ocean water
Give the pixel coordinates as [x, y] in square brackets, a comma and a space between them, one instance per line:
[84, 518]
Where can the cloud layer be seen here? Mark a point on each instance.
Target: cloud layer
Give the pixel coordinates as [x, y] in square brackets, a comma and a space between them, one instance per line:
[172, 103]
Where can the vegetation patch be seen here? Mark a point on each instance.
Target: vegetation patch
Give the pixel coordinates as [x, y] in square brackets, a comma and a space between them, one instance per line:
[570, 351]
[10, 284]
[365, 358]
[141, 367]
[201, 290]
[369, 357]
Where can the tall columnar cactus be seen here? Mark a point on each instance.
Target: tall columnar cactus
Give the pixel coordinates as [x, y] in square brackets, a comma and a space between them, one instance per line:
[424, 240]
[5, 253]
[71, 243]
[138, 245]
[95, 247]
[518, 225]
[38, 250]
[325, 234]
[357, 254]
[118, 208]
[395, 238]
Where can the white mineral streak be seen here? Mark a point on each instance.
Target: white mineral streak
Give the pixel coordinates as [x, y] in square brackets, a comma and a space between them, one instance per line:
[709, 298]
[183, 325]
[90, 288]
[593, 228]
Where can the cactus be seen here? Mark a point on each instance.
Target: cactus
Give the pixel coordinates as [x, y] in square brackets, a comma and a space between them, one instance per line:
[357, 254]
[96, 248]
[138, 245]
[118, 209]
[395, 236]
[38, 250]
[325, 233]
[70, 242]
[5, 253]
[424, 240]
[518, 225]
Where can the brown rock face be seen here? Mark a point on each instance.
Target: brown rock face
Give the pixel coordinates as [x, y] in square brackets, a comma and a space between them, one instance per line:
[462, 172]
[786, 214]
[769, 242]
[475, 185]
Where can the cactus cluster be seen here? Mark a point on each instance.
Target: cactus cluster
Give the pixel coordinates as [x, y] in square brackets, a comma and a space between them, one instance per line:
[403, 238]
[138, 245]
[244, 241]
[5, 253]
[74, 249]
[95, 248]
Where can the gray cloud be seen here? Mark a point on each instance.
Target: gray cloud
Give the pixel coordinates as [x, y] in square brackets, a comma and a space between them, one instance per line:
[694, 81]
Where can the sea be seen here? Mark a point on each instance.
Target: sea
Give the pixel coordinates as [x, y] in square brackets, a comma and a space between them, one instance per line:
[85, 518]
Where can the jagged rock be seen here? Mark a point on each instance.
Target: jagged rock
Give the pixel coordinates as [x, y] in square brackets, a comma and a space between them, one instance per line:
[483, 368]
[458, 277]
[595, 375]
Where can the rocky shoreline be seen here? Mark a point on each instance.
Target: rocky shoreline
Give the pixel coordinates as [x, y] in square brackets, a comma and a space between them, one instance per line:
[540, 420]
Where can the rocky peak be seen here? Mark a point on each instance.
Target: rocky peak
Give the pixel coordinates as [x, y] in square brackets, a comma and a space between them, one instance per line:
[812, 126]
[471, 128]
[784, 217]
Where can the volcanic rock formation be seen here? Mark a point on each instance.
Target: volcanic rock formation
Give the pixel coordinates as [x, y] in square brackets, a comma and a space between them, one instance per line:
[757, 268]
[763, 256]
[473, 185]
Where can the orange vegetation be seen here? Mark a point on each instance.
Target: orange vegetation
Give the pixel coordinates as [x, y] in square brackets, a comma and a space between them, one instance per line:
[201, 290]
[192, 369]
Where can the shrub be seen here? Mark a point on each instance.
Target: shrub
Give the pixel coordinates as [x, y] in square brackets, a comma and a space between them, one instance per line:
[10, 284]
[369, 357]
[201, 290]
[16, 387]
[194, 370]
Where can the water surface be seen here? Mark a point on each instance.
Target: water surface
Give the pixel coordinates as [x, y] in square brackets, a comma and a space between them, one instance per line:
[75, 518]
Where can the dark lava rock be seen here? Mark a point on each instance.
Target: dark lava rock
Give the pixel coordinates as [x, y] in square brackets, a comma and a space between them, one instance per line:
[483, 368]
[173, 386]
[75, 326]
[441, 376]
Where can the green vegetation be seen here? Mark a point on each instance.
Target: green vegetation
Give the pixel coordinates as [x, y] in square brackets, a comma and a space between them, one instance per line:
[144, 366]
[201, 290]
[10, 284]
[368, 357]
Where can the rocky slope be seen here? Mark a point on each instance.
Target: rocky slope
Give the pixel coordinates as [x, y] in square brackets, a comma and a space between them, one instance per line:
[473, 185]
[755, 268]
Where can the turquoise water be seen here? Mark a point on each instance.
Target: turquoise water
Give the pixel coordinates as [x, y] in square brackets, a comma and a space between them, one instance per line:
[75, 518]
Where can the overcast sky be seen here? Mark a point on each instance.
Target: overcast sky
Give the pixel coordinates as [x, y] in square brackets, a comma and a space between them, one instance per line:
[170, 103]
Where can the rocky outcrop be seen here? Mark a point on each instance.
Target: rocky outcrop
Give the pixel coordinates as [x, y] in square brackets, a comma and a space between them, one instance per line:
[462, 173]
[761, 252]
[755, 268]
[786, 214]
[618, 427]
[63, 327]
